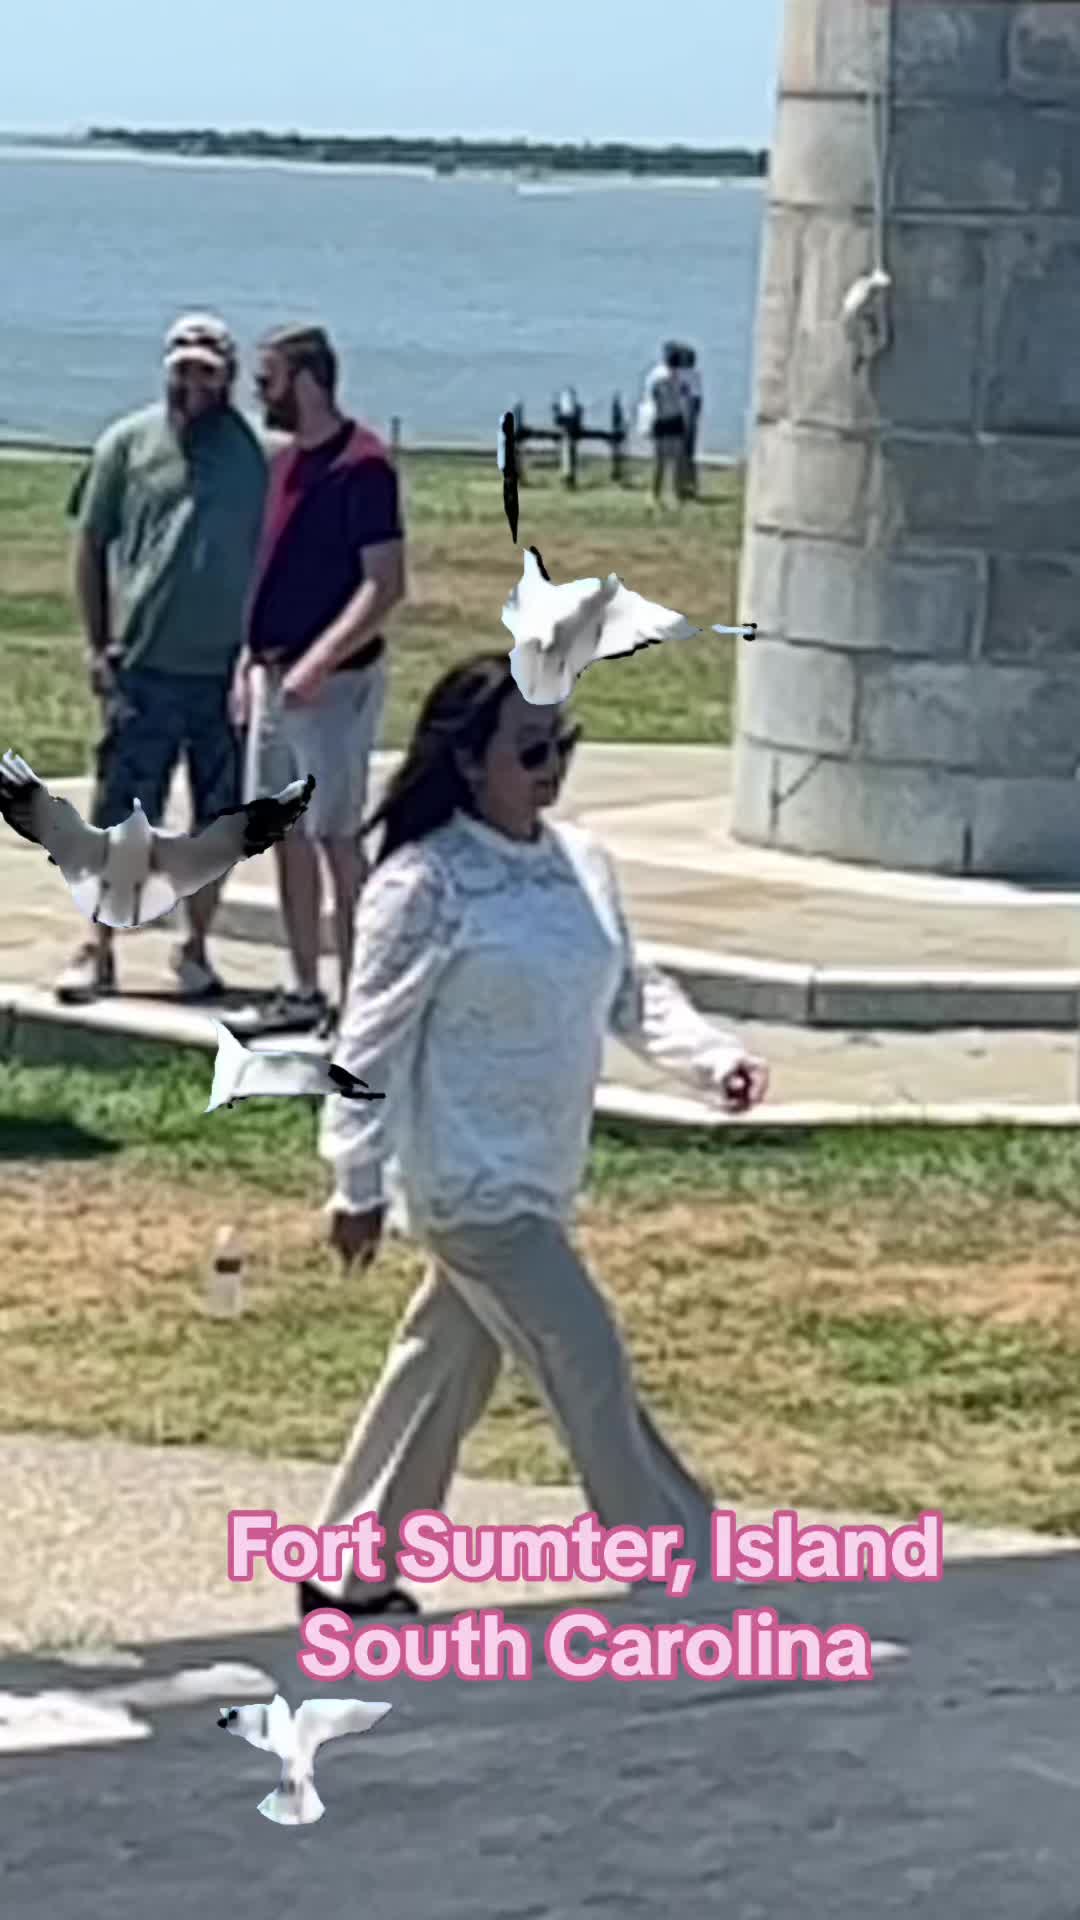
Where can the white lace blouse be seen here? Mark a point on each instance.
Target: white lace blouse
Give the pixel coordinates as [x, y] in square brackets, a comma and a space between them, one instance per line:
[487, 974]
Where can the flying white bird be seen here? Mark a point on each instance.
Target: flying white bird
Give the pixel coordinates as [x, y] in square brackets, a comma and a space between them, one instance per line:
[240, 1074]
[560, 630]
[296, 1738]
[134, 873]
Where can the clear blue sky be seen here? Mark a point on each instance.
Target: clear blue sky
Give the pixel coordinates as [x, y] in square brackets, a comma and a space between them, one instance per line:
[701, 71]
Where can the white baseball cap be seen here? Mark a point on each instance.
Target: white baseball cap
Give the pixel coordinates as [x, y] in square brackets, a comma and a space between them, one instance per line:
[202, 337]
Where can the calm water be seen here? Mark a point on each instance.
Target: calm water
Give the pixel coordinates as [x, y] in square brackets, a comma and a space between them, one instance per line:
[449, 298]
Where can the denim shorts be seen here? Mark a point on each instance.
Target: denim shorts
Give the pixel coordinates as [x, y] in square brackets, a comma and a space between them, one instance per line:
[152, 720]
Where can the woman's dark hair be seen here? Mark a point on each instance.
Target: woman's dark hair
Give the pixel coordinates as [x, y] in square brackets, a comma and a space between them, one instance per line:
[460, 714]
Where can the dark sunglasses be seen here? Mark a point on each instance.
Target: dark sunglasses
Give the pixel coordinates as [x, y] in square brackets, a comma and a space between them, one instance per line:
[561, 744]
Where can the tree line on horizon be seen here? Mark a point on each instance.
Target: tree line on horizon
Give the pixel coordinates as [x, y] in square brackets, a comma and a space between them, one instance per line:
[444, 155]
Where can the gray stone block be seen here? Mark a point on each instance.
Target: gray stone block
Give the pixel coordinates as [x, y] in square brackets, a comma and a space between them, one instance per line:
[934, 490]
[1012, 495]
[1006, 157]
[803, 481]
[823, 385]
[852, 46]
[752, 784]
[1034, 607]
[1044, 52]
[822, 155]
[778, 293]
[953, 50]
[917, 712]
[833, 46]
[1034, 372]
[1027, 720]
[1027, 829]
[761, 581]
[929, 377]
[912, 818]
[1033, 489]
[870, 600]
[797, 696]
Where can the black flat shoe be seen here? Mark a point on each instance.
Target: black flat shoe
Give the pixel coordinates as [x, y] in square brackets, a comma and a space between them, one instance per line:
[309, 1600]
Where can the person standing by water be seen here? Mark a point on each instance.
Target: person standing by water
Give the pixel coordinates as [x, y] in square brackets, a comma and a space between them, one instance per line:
[690, 389]
[663, 419]
[492, 959]
[171, 505]
[330, 570]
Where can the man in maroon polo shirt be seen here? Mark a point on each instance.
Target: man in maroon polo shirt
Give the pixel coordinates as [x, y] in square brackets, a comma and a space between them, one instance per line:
[330, 569]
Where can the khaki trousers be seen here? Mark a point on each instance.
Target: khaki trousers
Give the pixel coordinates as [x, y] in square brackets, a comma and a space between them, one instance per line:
[518, 1287]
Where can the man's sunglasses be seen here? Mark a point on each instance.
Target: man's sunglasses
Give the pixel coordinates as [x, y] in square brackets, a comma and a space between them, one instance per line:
[561, 744]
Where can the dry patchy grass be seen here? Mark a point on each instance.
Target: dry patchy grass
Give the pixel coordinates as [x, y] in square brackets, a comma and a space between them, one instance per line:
[797, 1356]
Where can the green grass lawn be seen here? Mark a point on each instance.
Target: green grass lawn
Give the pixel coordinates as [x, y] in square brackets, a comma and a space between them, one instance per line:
[462, 566]
[871, 1319]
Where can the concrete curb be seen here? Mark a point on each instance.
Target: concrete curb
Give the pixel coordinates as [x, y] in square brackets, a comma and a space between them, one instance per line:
[775, 991]
[35, 1030]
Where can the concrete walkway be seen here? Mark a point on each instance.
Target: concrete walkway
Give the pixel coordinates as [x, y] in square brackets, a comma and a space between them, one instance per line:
[103, 1542]
[762, 935]
[740, 927]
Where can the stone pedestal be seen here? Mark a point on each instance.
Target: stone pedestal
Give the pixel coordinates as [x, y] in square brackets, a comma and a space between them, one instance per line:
[912, 545]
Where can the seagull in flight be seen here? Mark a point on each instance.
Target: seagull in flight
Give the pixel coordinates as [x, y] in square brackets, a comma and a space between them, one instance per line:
[132, 874]
[240, 1073]
[508, 467]
[295, 1739]
[560, 630]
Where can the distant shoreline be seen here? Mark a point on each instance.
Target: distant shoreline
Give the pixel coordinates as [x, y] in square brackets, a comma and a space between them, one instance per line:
[536, 162]
[25, 446]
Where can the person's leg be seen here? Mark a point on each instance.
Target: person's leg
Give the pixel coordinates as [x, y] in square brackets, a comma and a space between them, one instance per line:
[300, 891]
[348, 872]
[683, 467]
[528, 1287]
[136, 759]
[691, 452]
[343, 731]
[296, 859]
[215, 776]
[400, 1459]
[658, 468]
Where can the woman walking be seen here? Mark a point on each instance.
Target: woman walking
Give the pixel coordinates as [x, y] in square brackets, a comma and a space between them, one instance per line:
[492, 956]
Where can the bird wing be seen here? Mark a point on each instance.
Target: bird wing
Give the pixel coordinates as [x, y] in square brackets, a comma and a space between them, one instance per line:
[79, 851]
[320, 1720]
[631, 621]
[550, 615]
[190, 861]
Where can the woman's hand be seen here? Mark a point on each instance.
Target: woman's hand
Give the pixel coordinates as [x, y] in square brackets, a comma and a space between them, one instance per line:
[356, 1236]
[303, 683]
[741, 1085]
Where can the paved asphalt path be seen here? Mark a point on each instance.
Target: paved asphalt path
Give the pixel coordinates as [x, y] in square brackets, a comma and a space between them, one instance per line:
[948, 1786]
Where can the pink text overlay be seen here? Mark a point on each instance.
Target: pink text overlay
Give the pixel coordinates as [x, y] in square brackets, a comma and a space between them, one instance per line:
[432, 1548]
[581, 1645]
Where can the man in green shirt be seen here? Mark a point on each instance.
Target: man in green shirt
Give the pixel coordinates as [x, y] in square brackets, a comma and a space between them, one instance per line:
[169, 524]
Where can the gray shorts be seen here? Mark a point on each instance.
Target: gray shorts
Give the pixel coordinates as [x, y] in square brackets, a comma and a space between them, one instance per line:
[332, 738]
